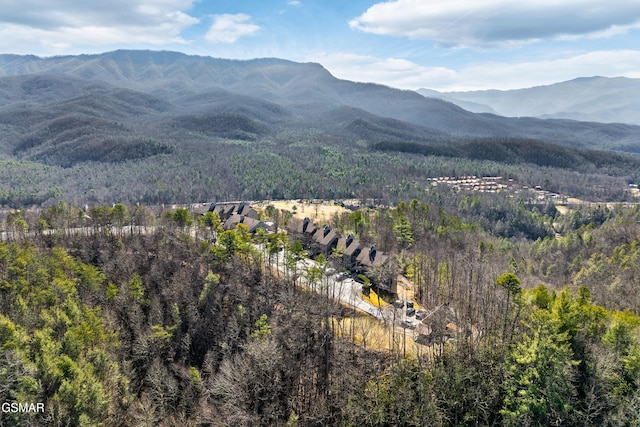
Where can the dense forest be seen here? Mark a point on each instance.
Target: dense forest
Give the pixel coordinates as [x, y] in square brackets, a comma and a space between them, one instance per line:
[142, 127]
[119, 308]
[296, 166]
[124, 315]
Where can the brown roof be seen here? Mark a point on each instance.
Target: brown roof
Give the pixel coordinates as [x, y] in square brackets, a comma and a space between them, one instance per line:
[225, 210]
[443, 314]
[200, 208]
[251, 223]
[297, 226]
[246, 210]
[348, 245]
[324, 236]
[371, 256]
[439, 325]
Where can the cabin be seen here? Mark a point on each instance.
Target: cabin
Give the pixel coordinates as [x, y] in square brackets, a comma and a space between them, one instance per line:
[372, 257]
[438, 326]
[355, 256]
[225, 210]
[350, 248]
[252, 224]
[302, 230]
[369, 257]
[323, 241]
[200, 208]
[246, 210]
[304, 226]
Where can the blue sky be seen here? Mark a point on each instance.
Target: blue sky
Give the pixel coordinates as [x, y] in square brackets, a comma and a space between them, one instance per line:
[410, 44]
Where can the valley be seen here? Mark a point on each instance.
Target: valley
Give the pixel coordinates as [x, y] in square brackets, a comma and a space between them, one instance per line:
[190, 241]
[138, 127]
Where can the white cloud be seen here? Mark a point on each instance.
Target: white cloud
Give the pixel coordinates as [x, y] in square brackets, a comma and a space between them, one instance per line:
[53, 27]
[394, 72]
[405, 74]
[488, 75]
[294, 3]
[229, 28]
[473, 23]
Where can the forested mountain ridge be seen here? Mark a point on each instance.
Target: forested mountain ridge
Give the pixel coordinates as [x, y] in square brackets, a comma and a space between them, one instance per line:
[126, 126]
[598, 99]
[170, 75]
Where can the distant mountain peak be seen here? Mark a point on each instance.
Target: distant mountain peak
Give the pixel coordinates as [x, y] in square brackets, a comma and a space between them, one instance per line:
[595, 98]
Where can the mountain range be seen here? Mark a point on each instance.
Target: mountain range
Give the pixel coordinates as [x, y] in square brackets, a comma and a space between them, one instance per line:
[173, 111]
[597, 99]
[268, 89]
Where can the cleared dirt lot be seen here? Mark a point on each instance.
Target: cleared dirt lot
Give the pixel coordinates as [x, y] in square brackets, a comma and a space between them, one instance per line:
[317, 211]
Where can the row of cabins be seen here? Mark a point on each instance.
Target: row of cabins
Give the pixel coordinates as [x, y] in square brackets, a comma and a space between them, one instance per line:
[356, 257]
[227, 210]
[439, 326]
[234, 213]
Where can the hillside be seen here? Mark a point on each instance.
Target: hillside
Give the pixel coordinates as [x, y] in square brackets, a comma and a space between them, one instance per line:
[161, 127]
[519, 318]
[118, 308]
[303, 87]
[595, 99]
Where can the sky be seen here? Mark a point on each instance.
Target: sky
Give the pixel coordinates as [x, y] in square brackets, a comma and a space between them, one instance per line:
[445, 45]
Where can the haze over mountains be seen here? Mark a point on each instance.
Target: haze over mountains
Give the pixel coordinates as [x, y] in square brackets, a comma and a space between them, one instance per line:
[206, 120]
[597, 99]
[269, 90]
